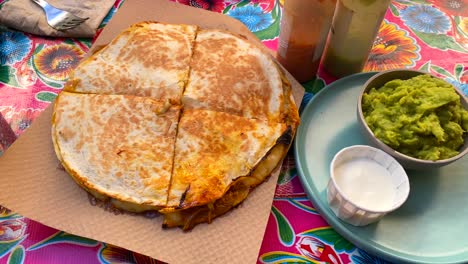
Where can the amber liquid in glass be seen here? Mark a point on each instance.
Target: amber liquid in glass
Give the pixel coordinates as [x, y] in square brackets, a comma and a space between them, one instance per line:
[304, 29]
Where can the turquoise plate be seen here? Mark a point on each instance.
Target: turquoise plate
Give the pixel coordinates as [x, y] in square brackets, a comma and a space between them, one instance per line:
[432, 225]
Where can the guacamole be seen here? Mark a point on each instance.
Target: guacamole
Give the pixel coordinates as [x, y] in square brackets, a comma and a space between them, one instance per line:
[421, 117]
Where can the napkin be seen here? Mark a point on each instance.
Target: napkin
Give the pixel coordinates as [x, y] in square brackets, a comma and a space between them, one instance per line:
[27, 16]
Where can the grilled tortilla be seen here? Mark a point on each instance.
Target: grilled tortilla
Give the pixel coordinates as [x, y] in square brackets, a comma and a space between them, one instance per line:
[215, 156]
[117, 146]
[205, 210]
[148, 59]
[213, 149]
[229, 74]
[118, 134]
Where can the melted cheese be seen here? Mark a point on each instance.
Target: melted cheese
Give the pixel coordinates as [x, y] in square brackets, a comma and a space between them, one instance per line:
[212, 150]
[237, 192]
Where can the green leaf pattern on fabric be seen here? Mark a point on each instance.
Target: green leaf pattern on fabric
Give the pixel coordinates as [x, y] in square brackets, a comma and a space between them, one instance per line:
[270, 32]
[302, 206]
[330, 236]
[7, 76]
[394, 10]
[439, 41]
[17, 256]
[426, 66]
[6, 246]
[243, 3]
[442, 71]
[314, 86]
[62, 237]
[458, 71]
[285, 230]
[46, 96]
[277, 257]
[287, 176]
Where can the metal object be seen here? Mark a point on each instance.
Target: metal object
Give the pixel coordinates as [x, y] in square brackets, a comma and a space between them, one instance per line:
[59, 19]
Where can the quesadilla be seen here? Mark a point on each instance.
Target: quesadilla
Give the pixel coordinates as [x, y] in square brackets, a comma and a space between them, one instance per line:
[229, 74]
[214, 150]
[175, 118]
[117, 146]
[148, 59]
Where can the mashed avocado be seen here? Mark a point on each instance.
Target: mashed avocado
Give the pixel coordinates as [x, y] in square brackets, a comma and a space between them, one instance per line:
[421, 117]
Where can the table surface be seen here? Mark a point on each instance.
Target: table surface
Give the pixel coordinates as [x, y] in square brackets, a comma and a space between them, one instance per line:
[430, 35]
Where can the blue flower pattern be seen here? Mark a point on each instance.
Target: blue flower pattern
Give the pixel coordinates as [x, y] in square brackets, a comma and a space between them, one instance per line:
[13, 46]
[305, 100]
[425, 18]
[462, 86]
[252, 16]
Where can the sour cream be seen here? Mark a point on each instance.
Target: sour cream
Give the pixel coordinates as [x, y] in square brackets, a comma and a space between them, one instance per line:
[366, 183]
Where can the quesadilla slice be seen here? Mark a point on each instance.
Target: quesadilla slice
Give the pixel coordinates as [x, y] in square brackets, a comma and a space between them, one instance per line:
[230, 74]
[219, 158]
[147, 59]
[116, 146]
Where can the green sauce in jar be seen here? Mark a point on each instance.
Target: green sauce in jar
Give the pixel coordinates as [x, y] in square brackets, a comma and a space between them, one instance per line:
[421, 117]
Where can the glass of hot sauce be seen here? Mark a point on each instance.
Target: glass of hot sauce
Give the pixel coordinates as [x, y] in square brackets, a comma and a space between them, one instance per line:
[304, 29]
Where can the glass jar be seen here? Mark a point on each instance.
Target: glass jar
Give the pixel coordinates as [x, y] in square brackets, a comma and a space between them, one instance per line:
[354, 28]
[304, 29]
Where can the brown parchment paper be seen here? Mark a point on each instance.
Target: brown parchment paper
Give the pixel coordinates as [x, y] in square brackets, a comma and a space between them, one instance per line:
[33, 185]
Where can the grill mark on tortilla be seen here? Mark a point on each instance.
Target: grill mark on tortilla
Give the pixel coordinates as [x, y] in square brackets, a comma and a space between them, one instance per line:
[230, 75]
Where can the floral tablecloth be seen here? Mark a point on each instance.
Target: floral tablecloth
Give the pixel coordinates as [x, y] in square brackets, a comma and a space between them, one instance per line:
[431, 35]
